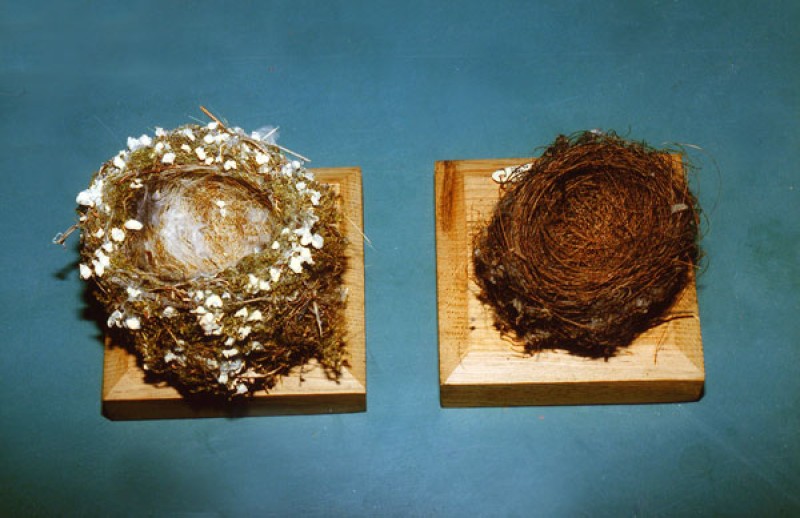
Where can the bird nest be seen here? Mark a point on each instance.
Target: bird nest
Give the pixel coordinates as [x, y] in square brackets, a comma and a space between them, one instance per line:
[218, 260]
[588, 246]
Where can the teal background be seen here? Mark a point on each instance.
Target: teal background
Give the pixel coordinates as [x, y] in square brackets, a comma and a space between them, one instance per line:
[392, 87]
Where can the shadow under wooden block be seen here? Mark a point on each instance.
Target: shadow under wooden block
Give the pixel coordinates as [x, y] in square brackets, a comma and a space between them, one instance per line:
[306, 390]
[480, 367]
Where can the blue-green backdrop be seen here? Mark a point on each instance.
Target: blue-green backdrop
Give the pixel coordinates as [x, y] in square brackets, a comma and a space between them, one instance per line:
[392, 87]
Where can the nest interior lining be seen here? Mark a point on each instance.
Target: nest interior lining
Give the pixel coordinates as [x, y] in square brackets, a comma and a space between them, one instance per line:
[198, 225]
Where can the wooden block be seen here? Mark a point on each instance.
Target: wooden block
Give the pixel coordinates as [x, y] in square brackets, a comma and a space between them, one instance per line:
[307, 390]
[480, 367]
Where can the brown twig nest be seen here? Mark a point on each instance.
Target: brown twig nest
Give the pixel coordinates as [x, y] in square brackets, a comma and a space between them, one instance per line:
[588, 246]
[218, 259]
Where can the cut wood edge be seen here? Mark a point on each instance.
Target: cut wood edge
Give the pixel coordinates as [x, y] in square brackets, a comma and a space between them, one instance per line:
[595, 393]
[127, 395]
[350, 188]
[451, 266]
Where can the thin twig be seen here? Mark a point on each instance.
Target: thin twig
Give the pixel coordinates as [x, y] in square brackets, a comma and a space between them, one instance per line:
[319, 321]
[298, 155]
[284, 149]
[213, 117]
[369, 242]
[61, 237]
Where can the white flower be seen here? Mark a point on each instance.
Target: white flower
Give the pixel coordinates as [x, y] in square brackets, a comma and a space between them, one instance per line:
[117, 234]
[115, 319]
[188, 133]
[200, 152]
[263, 285]
[208, 139]
[229, 164]
[134, 143]
[209, 324]
[108, 246]
[92, 196]
[101, 263]
[501, 175]
[220, 203]
[186, 147]
[261, 158]
[85, 198]
[242, 313]
[168, 158]
[305, 235]
[300, 255]
[169, 312]
[160, 132]
[212, 125]
[315, 196]
[252, 282]
[244, 331]
[241, 388]
[133, 323]
[159, 147]
[229, 353]
[133, 224]
[170, 357]
[274, 274]
[85, 271]
[214, 301]
[309, 238]
[275, 245]
[119, 162]
[296, 264]
[133, 292]
[255, 316]
[99, 233]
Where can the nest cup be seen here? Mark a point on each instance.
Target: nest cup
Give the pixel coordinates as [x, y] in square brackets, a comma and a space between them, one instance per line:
[588, 246]
[217, 258]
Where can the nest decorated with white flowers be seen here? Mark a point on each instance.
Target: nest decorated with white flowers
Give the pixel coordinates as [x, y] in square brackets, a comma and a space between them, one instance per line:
[218, 259]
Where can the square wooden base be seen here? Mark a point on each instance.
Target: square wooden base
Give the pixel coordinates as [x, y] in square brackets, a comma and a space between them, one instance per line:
[126, 394]
[480, 367]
